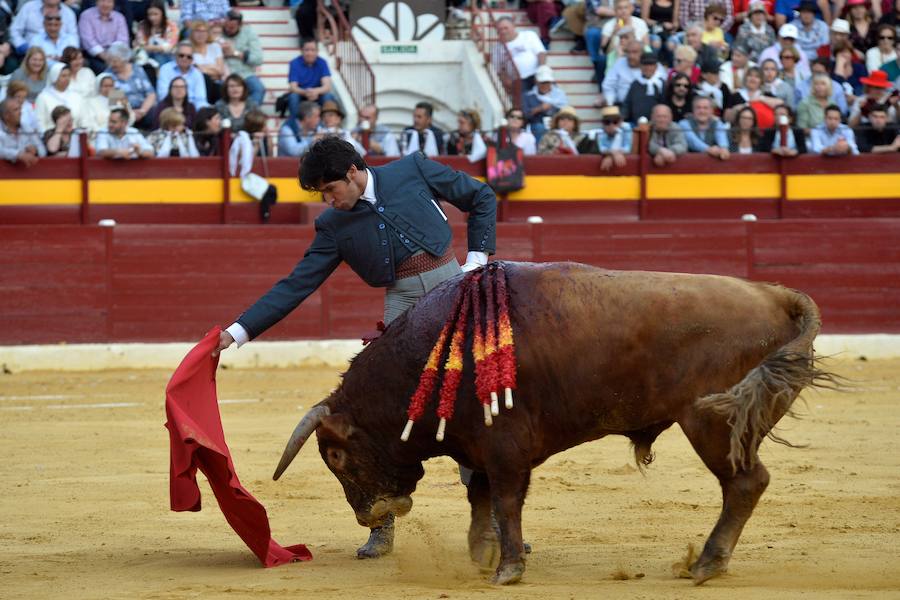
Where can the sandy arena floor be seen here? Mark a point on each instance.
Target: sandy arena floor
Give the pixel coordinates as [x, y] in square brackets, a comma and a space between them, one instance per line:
[84, 513]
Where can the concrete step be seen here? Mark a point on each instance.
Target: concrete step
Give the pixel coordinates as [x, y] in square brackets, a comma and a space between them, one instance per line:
[582, 99]
[564, 59]
[277, 28]
[281, 55]
[578, 87]
[265, 15]
[280, 40]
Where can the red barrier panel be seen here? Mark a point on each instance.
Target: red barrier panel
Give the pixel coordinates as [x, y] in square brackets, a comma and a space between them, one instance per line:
[166, 283]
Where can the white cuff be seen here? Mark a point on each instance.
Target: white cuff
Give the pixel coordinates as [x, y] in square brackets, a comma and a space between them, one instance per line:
[239, 334]
[479, 258]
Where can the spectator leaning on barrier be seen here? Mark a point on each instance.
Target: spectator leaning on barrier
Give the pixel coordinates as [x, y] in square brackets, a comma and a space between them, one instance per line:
[29, 22]
[666, 141]
[382, 142]
[646, 91]
[60, 139]
[613, 140]
[525, 48]
[880, 137]
[208, 131]
[99, 28]
[794, 140]
[177, 100]
[119, 141]
[173, 139]
[744, 137]
[309, 77]
[543, 101]
[18, 92]
[17, 145]
[812, 33]
[157, 35]
[704, 132]
[563, 137]
[247, 144]
[51, 40]
[243, 53]
[333, 124]
[833, 138]
[467, 140]
[297, 135]
[424, 135]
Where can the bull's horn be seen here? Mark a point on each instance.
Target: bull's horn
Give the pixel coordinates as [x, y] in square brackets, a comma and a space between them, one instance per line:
[301, 433]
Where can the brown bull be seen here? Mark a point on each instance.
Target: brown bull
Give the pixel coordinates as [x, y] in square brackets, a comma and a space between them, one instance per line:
[599, 352]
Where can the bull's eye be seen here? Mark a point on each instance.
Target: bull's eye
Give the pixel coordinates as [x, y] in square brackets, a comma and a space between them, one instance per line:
[337, 458]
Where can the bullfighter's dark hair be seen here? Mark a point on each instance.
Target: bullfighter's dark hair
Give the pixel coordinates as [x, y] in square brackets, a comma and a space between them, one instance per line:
[328, 160]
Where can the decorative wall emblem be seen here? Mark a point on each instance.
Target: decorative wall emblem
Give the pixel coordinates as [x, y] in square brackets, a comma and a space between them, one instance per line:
[399, 22]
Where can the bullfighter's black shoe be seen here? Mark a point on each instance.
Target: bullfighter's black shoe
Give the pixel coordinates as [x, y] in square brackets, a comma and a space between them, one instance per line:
[381, 541]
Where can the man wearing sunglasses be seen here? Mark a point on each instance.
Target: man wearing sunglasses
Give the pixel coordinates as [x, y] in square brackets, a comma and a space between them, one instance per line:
[183, 66]
[51, 40]
[29, 22]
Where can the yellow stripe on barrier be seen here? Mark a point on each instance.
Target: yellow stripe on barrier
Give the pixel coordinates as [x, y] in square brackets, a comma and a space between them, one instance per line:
[289, 190]
[843, 187]
[694, 187]
[40, 191]
[155, 191]
[577, 187]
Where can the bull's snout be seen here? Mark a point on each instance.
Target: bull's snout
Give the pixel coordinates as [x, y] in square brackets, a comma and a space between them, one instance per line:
[397, 506]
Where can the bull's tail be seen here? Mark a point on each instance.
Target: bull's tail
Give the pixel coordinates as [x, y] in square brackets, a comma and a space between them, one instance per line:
[755, 404]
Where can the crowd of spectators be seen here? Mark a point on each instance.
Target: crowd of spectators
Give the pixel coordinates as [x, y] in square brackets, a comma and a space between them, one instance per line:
[702, 76]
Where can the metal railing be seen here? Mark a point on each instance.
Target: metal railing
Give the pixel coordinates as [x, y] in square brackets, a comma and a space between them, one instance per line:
[334, 32]
[501, 68]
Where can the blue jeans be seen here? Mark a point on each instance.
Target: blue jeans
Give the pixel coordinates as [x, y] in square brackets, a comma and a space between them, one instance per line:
[294, 101]
[256, 88]
[592, 39]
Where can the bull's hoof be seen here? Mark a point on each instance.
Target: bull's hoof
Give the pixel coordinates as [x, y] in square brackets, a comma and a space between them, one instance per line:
[509, 573]
[704, 570]
[381, 542]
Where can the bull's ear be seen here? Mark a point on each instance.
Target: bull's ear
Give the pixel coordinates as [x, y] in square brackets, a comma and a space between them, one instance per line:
[335, 428]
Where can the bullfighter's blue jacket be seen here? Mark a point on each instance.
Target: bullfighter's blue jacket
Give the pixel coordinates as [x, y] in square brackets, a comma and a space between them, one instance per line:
[374, 239]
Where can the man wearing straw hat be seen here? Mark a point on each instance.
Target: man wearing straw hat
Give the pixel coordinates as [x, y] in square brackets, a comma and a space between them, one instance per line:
[386, 223]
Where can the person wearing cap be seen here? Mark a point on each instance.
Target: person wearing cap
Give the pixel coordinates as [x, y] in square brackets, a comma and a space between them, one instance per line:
[691, 11]
[832, 138]
[613, 140]
[862, 27]
[563, 137]
[243, 53]
[880, 137]
[618, 78]
[812, 33]
[755, 33]
[785, 9]
[838, 34]
[543, 101]
[646, 91]
[703, 131]
[712, 87]
[787, 38]
[878, 91]
[667, 140]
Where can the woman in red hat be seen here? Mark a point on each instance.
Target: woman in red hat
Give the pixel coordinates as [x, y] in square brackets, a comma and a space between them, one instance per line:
[878, 91]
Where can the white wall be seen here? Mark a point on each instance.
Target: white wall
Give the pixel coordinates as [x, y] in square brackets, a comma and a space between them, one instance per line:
[449, 74]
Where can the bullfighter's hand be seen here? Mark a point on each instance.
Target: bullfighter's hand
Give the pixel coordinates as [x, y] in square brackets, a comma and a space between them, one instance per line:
[225, 340]
[470, 266]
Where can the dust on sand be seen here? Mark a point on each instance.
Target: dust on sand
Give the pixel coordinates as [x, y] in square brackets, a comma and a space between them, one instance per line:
[85, 509]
